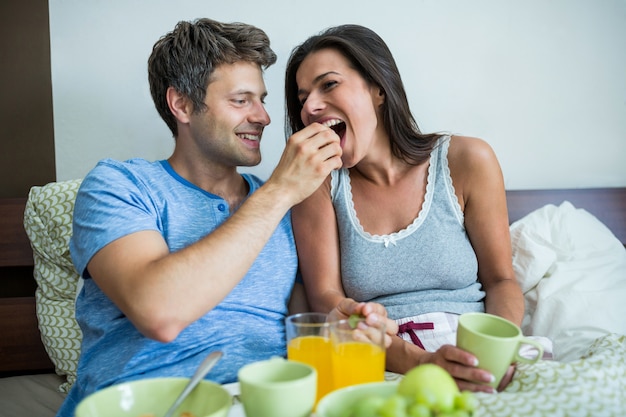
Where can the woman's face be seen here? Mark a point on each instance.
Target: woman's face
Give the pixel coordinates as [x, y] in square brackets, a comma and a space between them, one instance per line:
[334, 94]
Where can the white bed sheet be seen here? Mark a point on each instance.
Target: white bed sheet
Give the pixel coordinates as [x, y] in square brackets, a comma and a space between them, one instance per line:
[572, 271]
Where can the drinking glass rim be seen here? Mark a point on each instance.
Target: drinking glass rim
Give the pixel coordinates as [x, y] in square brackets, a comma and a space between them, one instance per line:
[294, 319]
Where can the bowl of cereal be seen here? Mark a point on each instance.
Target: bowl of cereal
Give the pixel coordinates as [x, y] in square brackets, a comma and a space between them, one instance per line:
[152, 398]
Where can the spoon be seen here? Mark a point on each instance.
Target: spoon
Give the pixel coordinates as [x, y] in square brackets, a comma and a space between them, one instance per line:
[198, 376]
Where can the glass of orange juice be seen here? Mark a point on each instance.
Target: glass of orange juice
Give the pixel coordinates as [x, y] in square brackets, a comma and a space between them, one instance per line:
[358, 352]
[308, 341]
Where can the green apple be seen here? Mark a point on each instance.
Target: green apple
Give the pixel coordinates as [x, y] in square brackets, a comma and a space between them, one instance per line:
[430, 382]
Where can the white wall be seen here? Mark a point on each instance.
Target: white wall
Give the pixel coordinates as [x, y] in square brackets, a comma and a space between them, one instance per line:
[544, 81]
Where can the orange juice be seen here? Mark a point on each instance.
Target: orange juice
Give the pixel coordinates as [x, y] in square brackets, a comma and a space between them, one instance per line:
[357, 363]
[315, 351]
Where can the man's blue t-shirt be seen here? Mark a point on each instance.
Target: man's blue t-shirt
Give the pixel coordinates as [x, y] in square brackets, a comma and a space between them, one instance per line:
[119, 198]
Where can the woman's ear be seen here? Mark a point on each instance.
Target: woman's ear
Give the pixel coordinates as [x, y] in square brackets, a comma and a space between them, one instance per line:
[178, 104]
[379, 96]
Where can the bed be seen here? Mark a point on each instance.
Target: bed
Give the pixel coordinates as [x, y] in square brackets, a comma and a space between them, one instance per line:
[569, 254]
[570, 259]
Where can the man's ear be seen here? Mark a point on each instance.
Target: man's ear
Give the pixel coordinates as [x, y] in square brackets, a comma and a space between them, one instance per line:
[179, 105]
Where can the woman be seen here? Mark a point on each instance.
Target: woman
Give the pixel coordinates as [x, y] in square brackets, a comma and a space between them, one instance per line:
[416, 222]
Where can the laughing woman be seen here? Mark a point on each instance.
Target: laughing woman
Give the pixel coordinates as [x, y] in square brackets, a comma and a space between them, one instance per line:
[416, 222]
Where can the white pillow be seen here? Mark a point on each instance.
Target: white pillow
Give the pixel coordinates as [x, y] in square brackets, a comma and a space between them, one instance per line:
[572, 271]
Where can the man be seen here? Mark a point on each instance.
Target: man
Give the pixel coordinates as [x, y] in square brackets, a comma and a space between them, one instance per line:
[186, 256]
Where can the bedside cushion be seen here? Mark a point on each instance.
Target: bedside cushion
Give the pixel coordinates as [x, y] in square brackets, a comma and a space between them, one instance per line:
[48, 223]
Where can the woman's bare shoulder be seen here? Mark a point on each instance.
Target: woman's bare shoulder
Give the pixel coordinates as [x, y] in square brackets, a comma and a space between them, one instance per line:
[469, 150]
[473, 165]
[469, 144]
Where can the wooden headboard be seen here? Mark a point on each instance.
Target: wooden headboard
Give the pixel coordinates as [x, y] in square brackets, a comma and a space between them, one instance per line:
[21, 349]
[607, 204]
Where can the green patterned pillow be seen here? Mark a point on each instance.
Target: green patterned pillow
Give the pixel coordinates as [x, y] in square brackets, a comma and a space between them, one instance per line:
[48, 223]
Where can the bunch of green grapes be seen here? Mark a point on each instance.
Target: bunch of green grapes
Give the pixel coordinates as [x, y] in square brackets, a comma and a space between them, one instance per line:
[425, 391]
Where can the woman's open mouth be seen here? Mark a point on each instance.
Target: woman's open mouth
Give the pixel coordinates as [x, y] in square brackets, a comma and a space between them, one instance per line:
[340, 129]
[337, 125]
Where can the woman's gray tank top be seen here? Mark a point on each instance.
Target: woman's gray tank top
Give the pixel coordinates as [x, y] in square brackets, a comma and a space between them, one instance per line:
[430, 266]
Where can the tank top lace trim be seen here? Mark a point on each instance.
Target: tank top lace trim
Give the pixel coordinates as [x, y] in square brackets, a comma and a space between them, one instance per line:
[438, 156]
[448, 180]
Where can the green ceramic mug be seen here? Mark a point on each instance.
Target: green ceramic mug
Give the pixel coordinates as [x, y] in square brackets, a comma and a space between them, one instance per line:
[495, 341]
[278, 388]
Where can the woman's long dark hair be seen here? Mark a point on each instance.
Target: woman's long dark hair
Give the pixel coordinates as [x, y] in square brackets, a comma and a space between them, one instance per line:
[370, 56]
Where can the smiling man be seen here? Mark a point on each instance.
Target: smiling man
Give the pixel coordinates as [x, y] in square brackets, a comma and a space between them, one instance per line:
[185, 256]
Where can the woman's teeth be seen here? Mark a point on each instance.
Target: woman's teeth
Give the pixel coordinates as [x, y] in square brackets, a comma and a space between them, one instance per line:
[338, 125]
[332, 122]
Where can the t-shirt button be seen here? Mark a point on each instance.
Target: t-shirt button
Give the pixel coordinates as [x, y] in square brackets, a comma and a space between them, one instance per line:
[221, 207]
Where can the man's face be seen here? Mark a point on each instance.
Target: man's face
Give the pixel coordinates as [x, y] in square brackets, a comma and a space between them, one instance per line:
[229, 131]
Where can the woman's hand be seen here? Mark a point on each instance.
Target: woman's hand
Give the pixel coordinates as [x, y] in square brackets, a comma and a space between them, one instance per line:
[373, 313]
[462, 366]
